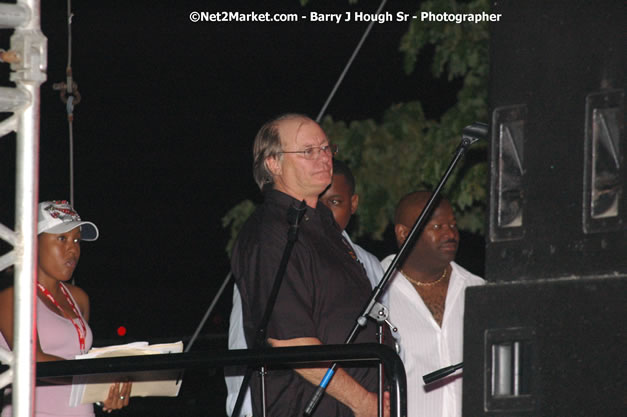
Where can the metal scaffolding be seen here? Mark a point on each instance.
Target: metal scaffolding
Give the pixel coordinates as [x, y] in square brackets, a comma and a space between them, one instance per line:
[28, 59]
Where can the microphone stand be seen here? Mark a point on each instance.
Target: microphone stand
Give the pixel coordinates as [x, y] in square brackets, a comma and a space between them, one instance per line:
[476, 129]
[380, 314]
[470, 135]
[294, 216]
[208, 312]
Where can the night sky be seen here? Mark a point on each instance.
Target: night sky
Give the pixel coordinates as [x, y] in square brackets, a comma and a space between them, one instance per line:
[164, 131]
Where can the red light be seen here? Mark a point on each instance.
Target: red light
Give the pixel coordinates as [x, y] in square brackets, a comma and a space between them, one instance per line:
[121, 331]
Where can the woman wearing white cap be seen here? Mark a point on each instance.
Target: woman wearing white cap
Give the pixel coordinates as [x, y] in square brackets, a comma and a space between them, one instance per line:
[62, 310]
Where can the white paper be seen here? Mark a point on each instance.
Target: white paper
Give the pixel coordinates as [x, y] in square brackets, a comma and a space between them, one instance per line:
[163, 383]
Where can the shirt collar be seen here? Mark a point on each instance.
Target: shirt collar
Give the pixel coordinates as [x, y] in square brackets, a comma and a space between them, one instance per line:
[285, 200]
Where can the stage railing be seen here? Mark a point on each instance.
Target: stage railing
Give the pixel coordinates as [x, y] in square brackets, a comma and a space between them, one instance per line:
[367, 352]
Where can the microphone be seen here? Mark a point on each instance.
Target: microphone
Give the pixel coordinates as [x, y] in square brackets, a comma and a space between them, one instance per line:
[474, 132]
[441, 373]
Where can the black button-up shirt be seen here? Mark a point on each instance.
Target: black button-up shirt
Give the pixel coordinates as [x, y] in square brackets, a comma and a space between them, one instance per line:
[323, 292]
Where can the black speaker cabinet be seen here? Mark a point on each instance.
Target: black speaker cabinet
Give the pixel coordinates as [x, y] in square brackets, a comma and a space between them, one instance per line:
[547, 348]
[558, 190]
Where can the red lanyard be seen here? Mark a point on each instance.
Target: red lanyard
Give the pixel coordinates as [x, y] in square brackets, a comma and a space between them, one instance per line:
[82, 330]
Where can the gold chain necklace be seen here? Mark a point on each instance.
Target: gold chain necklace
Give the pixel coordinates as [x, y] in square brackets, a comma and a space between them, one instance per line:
[423, 284]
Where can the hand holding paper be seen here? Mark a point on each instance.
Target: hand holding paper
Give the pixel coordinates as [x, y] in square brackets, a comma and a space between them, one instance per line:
[94, 388]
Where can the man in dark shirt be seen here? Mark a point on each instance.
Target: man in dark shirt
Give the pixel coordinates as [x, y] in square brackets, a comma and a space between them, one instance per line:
[324, 287]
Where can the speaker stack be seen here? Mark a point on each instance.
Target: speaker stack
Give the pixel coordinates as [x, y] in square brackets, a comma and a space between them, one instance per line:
[547, 335]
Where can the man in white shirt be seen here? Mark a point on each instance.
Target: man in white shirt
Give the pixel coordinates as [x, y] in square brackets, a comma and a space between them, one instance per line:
[426, 300]
[341, 199]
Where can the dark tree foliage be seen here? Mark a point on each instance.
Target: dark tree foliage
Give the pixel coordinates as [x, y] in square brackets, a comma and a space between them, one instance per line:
[405, 151]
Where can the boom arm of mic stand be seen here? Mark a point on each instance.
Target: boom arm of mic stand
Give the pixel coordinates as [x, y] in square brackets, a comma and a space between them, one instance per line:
[470, 134]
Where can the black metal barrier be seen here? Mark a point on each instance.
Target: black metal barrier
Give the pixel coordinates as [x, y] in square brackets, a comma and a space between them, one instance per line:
[394, 369]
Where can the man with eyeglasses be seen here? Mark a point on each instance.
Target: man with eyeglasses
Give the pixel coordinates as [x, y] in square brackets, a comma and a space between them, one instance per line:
[341, 199]
[324, 287]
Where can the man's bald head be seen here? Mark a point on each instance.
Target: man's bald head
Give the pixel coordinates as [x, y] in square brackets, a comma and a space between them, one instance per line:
[410, 207]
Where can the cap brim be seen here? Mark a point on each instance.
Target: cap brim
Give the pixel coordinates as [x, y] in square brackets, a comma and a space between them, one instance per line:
[89, 231]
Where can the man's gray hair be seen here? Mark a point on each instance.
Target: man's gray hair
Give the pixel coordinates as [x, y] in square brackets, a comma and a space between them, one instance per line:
[268, 144]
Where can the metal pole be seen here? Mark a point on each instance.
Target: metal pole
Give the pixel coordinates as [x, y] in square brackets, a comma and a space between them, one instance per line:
[209, 310]
[348, 65]
[29, 74]
[27, 189]
[69, 89]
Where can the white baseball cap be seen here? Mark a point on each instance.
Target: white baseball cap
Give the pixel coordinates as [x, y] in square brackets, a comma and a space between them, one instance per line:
[59, 217]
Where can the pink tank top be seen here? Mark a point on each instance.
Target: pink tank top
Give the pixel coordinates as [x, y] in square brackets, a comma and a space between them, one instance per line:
[57, 336]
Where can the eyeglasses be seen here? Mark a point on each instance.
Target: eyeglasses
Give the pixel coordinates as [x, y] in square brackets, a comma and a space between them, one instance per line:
[314, 151]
